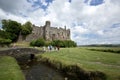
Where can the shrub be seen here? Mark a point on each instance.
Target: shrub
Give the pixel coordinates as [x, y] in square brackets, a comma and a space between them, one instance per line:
[32, 43]
[47, 43]
[39, 42]
[63, 43]
[5, 42]
[60, 43]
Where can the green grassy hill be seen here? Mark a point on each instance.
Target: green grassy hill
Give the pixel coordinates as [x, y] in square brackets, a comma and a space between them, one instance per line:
[106, 62]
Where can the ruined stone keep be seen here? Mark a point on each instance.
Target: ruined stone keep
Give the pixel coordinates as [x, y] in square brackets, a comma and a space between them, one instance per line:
[49, 33]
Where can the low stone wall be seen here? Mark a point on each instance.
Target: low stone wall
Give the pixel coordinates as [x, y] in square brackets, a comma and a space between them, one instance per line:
[21, 54]
[19, 51]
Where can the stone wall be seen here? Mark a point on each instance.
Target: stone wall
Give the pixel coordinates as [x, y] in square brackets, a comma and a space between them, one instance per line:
[48, 33]
[36, 33]
[19, 51]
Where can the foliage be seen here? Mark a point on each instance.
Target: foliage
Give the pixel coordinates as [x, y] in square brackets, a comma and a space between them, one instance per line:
[32, 43]
[60, 43]
[47, 43]
[4, 34]
[12, 28]
[57, 43]
[39, 42]
[69, 43]
[9, 69]
[5, 42]
[26, 28]
[64, 43]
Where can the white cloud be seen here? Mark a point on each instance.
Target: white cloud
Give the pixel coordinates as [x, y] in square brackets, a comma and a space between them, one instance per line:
[79, 30]
[81, 18]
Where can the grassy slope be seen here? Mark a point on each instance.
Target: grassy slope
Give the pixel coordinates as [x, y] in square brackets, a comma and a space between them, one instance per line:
[89, 60]
[9, 69]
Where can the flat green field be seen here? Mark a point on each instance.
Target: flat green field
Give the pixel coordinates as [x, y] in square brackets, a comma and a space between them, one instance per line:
[106, 62]
[105, 49]
[9, 69]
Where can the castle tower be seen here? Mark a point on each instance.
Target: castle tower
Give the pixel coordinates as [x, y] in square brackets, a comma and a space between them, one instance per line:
[65, 27]
[47, 30]
[47, 24]
[68, 34]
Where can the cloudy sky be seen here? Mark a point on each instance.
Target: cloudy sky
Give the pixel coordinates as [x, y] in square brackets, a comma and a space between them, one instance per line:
[90, 21]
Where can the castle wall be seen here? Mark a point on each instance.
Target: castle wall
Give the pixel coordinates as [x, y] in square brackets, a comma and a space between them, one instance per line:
[48, 33]
[36, 33]
[58, 34]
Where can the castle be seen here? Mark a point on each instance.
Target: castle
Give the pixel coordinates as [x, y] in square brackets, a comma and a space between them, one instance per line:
[48, 33]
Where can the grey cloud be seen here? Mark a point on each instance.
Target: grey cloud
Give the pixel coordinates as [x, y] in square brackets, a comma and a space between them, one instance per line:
[13, 6]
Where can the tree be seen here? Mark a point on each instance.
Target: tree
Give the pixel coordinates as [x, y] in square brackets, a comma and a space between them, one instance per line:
[11, 27]
[4, 34]
[26, 28]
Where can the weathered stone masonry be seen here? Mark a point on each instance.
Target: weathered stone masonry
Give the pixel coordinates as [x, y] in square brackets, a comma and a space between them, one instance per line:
[49, 33]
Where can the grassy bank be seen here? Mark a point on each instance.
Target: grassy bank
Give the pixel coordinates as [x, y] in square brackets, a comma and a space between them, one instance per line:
[86, 60]
[9, 69]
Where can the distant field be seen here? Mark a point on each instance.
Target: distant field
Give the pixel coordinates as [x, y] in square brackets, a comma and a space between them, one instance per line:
[9, 69]
[105, 49]
[88, 60]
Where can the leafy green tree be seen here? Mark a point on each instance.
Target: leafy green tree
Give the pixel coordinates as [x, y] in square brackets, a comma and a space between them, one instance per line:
[26, 28]
[12, 28]
[4, 34]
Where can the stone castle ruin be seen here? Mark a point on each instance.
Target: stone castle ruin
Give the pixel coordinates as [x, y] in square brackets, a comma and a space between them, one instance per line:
[48, 33]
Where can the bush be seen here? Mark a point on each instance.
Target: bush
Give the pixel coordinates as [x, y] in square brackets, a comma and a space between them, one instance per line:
[5, 42]
[60, 43]
[65, 43]
[47, 43]
[32, 43]
[39, 42]
[69, 43]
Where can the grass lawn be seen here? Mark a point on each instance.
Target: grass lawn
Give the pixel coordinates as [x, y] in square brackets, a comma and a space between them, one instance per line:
[9, 69]
[106, 62]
